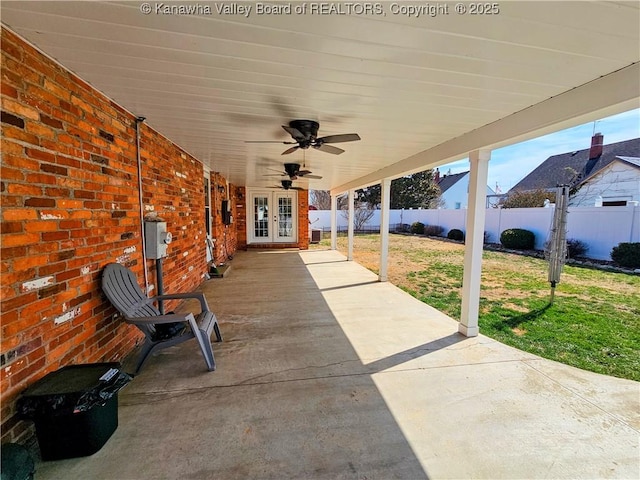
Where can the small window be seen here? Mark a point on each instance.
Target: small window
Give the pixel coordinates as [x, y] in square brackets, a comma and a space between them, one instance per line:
[458, 205]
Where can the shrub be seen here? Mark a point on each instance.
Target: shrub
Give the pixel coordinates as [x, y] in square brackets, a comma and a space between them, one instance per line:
[518, 238]
[455, 234]
[530, 199]
[417, 227]
[433, 230]
[576, 248]
[627, 254]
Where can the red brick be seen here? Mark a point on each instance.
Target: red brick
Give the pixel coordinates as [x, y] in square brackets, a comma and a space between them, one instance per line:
[30, 262]
[40, 155]
[19, 214]
[11, 227]
[41, 178]
[21, 189]
[19, 109]
[9, 90]
[11, 174]
[40, 130]
[20, 239]
[54, 236]
[39, 202]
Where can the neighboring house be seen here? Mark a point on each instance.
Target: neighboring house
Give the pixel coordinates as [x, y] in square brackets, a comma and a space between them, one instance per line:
[455, 190]
[616, 184]
[602, 175]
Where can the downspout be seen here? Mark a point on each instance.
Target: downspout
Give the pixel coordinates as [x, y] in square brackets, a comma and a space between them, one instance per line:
[139, 121]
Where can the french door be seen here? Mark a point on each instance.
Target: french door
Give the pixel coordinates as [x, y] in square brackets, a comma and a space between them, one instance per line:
[272, 217]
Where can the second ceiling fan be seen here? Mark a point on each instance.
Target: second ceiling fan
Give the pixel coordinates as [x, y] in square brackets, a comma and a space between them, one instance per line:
[292, 170]
[305, 134]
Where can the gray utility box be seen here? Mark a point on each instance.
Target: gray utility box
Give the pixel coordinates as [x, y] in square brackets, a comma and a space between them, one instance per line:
[157, 239]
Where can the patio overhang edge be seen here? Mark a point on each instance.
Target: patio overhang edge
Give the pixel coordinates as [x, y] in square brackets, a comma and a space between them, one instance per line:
[613, 93]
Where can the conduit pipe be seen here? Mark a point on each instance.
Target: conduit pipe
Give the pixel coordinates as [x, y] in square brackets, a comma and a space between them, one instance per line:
[139, 121]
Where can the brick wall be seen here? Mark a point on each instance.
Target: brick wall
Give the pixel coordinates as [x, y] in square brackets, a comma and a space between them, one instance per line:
[303, 219]
[70, 205]
[226, 236]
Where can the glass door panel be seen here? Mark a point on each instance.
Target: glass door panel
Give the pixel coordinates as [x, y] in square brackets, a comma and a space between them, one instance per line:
[285, 217]
[261, 220]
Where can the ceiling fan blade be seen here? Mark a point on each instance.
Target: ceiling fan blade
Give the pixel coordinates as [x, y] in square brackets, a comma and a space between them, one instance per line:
[275, 175]
[294, 132]
[312, 177]
[271, 141]
[290, 150]
[329, 149]
[346, 137]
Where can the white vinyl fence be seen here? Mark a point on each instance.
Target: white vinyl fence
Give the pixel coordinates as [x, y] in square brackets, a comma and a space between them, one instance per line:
[600, 228]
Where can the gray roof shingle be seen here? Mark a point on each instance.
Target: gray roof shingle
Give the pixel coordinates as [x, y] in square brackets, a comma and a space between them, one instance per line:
[572, 167]
[448, 181]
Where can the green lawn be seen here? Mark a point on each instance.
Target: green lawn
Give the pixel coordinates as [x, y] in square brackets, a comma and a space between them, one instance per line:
[594, 322]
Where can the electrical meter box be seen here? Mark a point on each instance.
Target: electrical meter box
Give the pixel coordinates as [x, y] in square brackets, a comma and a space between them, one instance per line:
[156, 239]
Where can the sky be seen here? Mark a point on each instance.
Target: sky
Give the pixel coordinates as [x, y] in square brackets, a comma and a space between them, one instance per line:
[504, 172]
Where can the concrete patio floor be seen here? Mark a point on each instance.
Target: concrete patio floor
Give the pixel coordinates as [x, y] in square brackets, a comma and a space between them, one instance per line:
[326, 373]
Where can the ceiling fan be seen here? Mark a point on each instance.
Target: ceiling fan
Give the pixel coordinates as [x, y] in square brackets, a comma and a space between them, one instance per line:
[305, 134]
[292, 170]
[287, 185]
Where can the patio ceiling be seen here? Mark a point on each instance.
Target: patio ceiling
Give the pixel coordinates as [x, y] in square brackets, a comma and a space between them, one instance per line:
[420, 91]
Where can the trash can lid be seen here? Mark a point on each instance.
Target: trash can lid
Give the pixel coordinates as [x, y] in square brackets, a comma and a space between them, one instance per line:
[70, 379]
[72, 389]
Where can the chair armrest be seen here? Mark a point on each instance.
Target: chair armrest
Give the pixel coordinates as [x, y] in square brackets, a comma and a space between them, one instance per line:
[174, 296]
[170, 318]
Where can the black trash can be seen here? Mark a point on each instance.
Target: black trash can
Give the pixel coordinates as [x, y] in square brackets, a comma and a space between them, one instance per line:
[75, 409]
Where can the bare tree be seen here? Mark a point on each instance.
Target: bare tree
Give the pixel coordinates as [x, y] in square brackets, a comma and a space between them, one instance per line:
[321, 199]
[362, 213]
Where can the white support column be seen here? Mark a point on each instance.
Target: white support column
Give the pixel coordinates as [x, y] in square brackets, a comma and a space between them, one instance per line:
[334, 222]
[384, 228]
[352, 219]
[474, 239]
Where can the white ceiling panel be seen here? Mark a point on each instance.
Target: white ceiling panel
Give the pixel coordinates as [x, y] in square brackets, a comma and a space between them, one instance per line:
[405, 84]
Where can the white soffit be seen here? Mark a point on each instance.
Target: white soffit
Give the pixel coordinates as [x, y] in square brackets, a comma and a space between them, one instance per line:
[416, 89]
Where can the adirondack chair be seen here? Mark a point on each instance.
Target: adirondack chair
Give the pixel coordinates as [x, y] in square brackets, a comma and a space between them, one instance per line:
[120, 285]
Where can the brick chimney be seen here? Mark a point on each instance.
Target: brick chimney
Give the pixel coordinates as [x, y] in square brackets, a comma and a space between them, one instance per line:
[596, 146]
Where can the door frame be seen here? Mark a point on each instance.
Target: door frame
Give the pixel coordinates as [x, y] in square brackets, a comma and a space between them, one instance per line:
[272, 196]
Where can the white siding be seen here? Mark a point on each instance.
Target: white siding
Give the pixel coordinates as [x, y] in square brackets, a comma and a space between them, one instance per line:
[456, 196]
[617, 181]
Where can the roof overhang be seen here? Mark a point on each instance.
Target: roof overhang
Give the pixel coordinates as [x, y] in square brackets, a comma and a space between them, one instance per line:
[420, 90]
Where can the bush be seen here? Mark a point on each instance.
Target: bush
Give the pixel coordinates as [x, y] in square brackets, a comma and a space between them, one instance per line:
[417, 227]
[433, 230]
[455, 234]
[627, 254]
[518, 238]
[576, 248]
[530, 199]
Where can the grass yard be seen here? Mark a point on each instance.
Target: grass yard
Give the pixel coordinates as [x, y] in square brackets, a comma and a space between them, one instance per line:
[593, 324]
